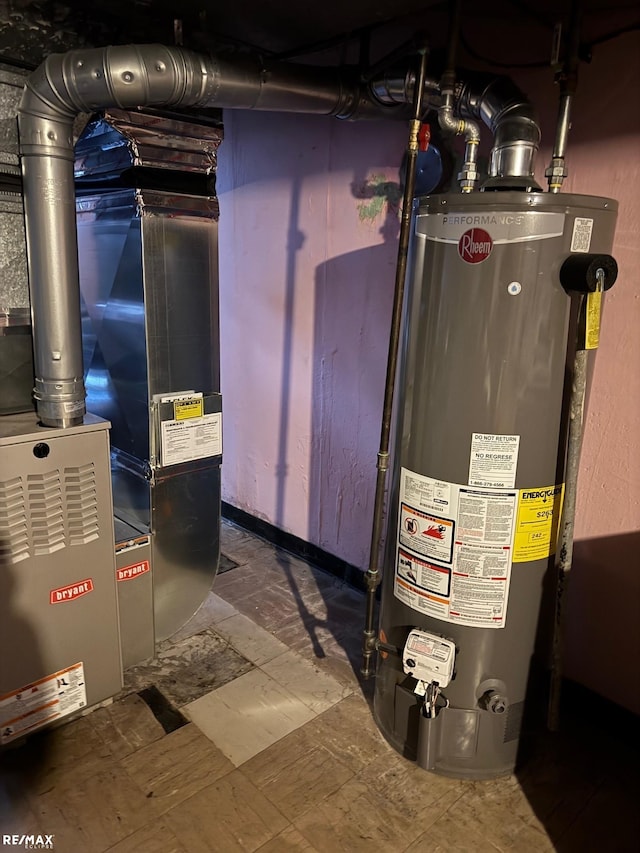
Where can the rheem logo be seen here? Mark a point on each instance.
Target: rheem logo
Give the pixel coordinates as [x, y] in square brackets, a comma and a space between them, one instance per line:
[475, 245]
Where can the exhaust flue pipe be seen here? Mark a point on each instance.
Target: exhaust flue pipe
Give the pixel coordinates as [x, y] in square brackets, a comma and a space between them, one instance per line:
[126, 77]
[63, 86]
[499, 103]
[155, 75]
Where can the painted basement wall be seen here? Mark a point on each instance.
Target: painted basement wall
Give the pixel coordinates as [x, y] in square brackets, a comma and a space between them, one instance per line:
[307, 269]
[307, 263]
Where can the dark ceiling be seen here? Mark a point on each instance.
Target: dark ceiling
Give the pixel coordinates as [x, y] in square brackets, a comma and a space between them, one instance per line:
[331, 31]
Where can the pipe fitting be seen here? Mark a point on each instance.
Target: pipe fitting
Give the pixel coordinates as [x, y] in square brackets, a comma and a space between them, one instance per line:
[469, 175]
[505, 110]
[494, 702]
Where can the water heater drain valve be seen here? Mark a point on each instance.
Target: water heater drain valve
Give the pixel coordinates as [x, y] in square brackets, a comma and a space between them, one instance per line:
[429, 659]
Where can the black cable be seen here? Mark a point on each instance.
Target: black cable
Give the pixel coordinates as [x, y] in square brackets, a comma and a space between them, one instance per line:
[532, 13]
[584, 49]
[17, 63]
[316, 47]
[614, 34]
[496, 64]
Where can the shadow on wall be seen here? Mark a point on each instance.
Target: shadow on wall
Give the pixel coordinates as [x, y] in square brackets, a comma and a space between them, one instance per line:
[602, 641]
[352, 316]
[581, 781]
[347, 395]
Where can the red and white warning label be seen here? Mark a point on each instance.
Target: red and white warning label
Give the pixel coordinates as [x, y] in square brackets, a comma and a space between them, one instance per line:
[48, 699]
[426, 533]
[454, 550]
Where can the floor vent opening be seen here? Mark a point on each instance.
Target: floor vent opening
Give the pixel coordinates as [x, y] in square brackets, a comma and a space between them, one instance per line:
[169, 717]
[226, 564]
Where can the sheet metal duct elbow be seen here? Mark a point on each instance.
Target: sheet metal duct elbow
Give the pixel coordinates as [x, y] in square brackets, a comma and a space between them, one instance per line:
[506, 111]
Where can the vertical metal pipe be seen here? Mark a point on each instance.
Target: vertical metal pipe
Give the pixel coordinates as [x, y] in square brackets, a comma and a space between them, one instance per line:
[373, 572]
[564, 558]
[556, 173]
[565, 549]
[568, 78]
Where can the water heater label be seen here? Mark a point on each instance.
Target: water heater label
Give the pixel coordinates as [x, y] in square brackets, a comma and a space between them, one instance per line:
[537, 523]
[494, 460]
[48, 699]
[581, 234]
[454, 550]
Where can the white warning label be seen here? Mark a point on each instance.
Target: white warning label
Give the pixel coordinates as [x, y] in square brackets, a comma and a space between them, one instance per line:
[455, 566]
[581, 234]
[47, 699]
[494, 460]
[191, 438]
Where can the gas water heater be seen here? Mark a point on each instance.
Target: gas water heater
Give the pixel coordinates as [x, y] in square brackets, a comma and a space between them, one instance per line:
[477, 484]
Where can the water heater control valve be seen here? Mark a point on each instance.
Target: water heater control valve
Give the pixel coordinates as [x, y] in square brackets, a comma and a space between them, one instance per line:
[429, 658]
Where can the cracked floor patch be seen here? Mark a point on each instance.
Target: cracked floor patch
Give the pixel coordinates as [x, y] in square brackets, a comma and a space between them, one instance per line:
[187, 670]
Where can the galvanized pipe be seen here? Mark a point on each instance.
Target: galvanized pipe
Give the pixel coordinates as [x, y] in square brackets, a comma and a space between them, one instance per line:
[556, 172]
[373, 573]
[468, 175]
[565, 545]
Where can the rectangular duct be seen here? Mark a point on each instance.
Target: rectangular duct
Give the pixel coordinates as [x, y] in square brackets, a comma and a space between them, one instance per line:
[147, 238]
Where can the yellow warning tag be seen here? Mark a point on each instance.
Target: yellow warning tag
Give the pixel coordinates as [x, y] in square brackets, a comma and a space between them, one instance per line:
[592, 329]
[183, 410]
[537, 523]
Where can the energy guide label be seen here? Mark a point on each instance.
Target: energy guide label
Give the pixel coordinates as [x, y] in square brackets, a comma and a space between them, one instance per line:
[454, 550]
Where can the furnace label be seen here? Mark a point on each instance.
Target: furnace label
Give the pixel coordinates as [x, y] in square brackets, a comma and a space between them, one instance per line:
[134, 571]
[538, 522]
[192, 438]
[71, 592]
[47, 699]
[464, 579]
[494, 460]
[186, 409]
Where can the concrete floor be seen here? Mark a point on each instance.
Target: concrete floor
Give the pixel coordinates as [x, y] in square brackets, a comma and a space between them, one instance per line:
[275, 749]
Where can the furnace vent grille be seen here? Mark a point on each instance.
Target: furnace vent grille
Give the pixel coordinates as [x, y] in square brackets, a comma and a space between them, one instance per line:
[46, 513]
[82, 504]
[14, 534]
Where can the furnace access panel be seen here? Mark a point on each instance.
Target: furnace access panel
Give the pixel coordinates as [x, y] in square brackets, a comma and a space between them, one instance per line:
[59, 636]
